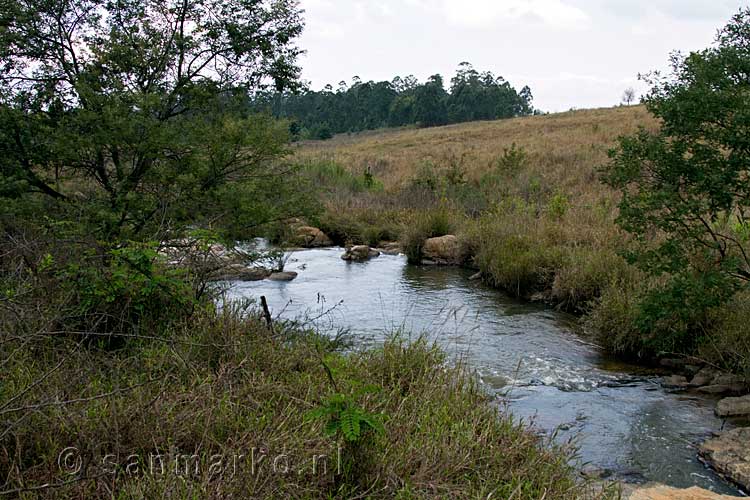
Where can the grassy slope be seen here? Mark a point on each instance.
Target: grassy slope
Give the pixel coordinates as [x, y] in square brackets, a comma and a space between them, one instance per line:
[564, 149]
[536, 224]
[530, 226]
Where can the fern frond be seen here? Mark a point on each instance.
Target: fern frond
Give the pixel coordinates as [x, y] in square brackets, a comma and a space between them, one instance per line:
[350, 424]
[373, 422]
[332, 427]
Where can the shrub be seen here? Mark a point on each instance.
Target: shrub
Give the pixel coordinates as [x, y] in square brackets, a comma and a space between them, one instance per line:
[436, 222]
[612, 319]
[519, 264]
[427, 177]
[729, 344]
[558, 206]
[642, 317]
[517, 251]
[584, 273]
[360, 226]
[130, 291]
[512, 161]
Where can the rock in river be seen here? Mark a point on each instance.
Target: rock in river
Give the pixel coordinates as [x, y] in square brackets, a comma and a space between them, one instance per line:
[360, 253]
[733, 407]
[443, 250]
[283, 276]
[675, 382]
[729, 455]
[311, 237]
[241, 272]
[390, 247]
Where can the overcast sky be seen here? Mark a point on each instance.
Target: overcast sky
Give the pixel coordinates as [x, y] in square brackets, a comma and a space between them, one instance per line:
[572, 53]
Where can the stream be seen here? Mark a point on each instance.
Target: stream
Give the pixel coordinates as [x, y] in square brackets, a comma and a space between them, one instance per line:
[622, 421]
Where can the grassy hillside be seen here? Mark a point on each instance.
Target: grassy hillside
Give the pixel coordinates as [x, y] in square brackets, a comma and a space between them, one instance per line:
[563, 148]
[525, 199]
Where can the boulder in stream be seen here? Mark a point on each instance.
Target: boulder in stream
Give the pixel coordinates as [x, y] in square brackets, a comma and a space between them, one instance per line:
[442, 250]
[241, 272]
[734, 407]
[390, 247]
[359, 253]
[283, 276]
[729, 455]
[675, 382]
[735, 389]
[705, 376]
[310, 237]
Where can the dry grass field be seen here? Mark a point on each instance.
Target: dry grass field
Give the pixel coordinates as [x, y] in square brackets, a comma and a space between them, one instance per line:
[563, 149]
[525, 199]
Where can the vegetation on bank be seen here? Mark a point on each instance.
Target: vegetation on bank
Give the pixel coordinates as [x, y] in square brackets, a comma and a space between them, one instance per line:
[646, 235]
[218, 406]
[124, 131]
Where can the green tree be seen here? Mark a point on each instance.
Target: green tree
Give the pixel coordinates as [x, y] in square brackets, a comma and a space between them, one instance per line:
[686, 187]
[130, 111]
[430, 103]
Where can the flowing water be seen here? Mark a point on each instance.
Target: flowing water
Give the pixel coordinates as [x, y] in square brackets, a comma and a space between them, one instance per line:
[618, 415]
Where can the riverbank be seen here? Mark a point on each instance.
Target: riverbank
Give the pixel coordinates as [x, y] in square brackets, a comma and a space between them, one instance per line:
[524, 200]
[221, 406]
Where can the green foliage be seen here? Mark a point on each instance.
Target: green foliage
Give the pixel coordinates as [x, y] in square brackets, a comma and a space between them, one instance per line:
[503, 173]
[124, 289]
[361, 226]
[682, 184]
[343, 417]
[729, 347]
[455, 174]
[512, 161]
[436, 222]
[674, 316]
[585, 273]
[127, 145]
[613, 317]
[682, 180]
[427, 177]
[558, 206]
[321, 132]
[369, 178]
[519, 263]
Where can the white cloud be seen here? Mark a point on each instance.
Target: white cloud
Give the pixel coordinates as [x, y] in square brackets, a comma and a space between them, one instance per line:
[580, 53]
[485, 13]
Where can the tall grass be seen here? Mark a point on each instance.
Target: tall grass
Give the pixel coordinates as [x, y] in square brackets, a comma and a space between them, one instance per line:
[525, 200]
[428, 224]
[221, 389]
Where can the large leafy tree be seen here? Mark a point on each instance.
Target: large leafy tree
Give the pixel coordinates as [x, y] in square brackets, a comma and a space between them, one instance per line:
[132, 110]
[686, 187]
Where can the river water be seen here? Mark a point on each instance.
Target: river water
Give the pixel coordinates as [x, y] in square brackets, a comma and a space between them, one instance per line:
[623, 422]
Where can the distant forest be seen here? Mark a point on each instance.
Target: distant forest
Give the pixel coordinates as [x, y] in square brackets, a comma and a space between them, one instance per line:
[402, 101]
